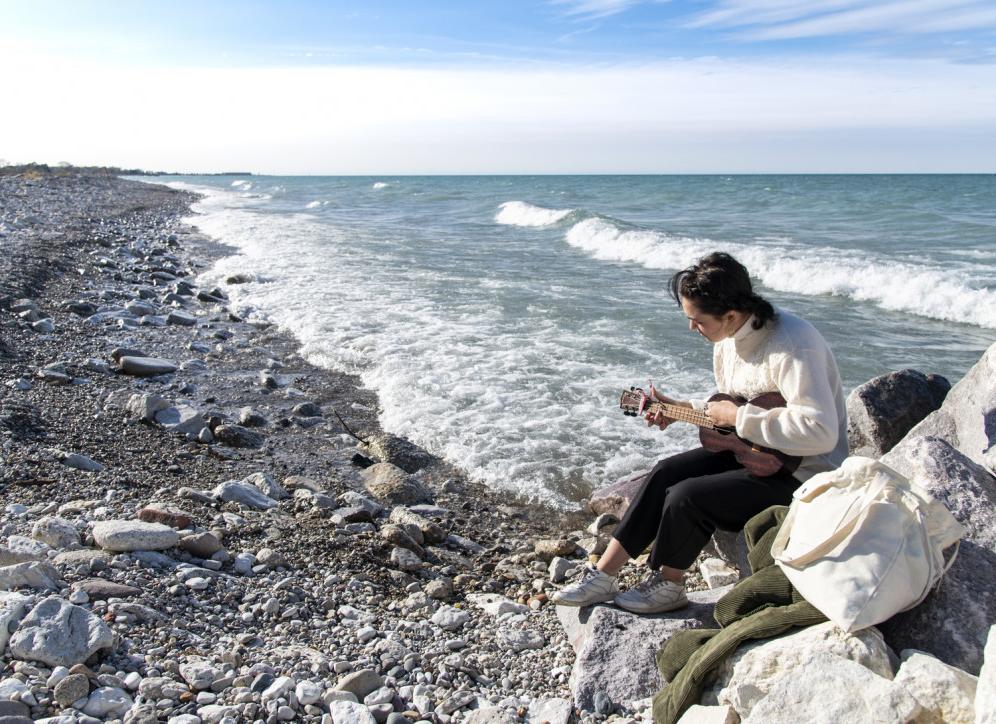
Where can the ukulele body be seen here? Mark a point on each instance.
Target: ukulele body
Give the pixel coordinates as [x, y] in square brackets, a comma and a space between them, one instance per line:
[757, 459]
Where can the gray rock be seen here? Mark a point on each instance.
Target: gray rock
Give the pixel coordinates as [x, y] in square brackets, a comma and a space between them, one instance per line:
[86, 557]
[13, 607]
[731, 548]
[558, 569]
[133, 535]
[952, 624]
[99, 589]
[399, 452]
[615, 497]
[400, 537]
[202, 545]
[71, 688]
[77, 461]
[449, 618]
[306, 409]
[33, 574]
[391, 484]
[432, 532]
[267, 485]
[55, 531]
[146, 366]
[145, 407]
[180, 318]
[616, 650]
[58, 633]
[238, 436]
[360, 683]
[881, 411]
[243, 493]
[10, 708]
[520, 639]
[19, 549]
[181, 419]
[967, 419]
[405, 559]
[248, 417]
[43, 326]
[353, 499]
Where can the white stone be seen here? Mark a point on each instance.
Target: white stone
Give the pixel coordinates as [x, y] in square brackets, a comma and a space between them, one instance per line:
[449, 618]
[944, 692]
[55, 531]
[199, 674]
[747, 676]
[405, 559]
[108, 700]
[243, 493]
[698, 714]
[308, 692]
[58, 674]
[132, 680]
[133, 535]
[79, 461]
[181, 420]
[558, 569]
[716, 573]
[847, 692]
[145, 407]
[348, 712]
[10, 687]
[520, 639]
[280, 686]
[495, 604]
[553, 711]
[214, 713]
[267, 486]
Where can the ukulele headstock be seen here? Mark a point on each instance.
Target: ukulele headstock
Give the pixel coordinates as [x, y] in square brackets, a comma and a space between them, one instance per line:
[633, 401]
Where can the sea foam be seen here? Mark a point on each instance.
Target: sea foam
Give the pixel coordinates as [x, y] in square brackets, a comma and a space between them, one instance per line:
[520, 213]
[891, 284]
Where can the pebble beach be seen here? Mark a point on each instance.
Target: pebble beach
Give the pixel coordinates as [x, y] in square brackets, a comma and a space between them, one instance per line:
[202, 527]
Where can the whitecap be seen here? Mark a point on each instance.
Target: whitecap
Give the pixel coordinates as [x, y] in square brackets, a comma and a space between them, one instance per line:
[520, 213]
[380, 185]
[891, 284]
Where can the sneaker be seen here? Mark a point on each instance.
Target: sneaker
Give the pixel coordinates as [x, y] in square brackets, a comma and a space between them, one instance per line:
[594, 586]
[654, 594]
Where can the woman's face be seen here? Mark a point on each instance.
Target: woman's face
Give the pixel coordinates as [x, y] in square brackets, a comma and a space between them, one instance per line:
[715, 329]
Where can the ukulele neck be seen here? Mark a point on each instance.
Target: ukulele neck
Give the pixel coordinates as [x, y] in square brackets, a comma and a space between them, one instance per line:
[682, 414]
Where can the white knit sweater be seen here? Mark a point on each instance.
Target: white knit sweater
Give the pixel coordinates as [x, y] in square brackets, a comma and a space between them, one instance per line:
[787, 355]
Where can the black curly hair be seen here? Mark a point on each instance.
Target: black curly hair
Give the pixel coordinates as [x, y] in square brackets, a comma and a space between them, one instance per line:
[717, 284]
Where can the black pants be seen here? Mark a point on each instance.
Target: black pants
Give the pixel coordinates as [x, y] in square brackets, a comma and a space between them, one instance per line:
[687, 497]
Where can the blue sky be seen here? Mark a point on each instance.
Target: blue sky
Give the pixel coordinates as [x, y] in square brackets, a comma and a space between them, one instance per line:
[537, 86]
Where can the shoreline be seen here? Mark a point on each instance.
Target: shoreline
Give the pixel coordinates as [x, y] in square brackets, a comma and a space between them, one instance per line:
[324, 588]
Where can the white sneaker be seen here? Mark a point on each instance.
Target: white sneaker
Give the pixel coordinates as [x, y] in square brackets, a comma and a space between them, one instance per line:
[654, 594]
[594, 586]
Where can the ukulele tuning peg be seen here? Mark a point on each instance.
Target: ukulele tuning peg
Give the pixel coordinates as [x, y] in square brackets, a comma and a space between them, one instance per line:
[631, 388]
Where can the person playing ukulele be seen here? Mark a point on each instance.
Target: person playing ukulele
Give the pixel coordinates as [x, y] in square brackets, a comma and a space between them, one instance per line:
[685, 498]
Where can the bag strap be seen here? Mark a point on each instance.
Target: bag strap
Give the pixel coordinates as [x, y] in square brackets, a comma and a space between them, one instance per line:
[834, 539]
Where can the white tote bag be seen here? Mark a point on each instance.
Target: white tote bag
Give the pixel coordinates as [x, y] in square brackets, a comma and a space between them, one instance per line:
[862, 543]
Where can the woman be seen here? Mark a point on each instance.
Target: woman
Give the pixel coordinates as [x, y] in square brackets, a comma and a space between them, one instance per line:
[685, 498]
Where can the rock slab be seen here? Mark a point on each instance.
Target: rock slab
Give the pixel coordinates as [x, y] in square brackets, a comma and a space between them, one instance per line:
[133, 535]
[57, 633]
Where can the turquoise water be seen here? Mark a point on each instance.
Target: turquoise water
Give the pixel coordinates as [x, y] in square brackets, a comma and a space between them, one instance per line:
[498, 317]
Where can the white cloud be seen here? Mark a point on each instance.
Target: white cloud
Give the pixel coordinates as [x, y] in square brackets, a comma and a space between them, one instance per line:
[590, 9]
[703, 115]
[783, 19]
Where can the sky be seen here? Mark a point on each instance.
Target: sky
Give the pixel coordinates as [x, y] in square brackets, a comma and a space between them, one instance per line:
[541, 86]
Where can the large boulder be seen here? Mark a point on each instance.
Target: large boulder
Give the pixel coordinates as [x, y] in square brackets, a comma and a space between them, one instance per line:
[881, 411]
[946, 693]
[985, 691]
[133, 535]
[828, 689]
[389, 483]
[747, 676]
[57, 633]
[614, 498]
[616, 650]
[952, 624]
[967, 419]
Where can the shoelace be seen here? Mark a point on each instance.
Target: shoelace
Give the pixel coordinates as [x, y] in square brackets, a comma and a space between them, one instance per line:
[652, 581]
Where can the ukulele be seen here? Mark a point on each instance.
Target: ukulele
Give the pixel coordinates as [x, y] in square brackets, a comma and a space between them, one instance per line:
[758, 460]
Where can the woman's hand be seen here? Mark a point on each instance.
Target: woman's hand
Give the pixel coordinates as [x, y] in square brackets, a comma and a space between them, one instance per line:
[722, 413]
[658, 418]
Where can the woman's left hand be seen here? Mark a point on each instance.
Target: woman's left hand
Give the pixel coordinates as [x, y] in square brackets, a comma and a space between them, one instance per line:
[722, 413]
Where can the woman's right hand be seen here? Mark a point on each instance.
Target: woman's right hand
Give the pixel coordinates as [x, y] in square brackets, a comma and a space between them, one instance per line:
[659, 419]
